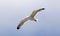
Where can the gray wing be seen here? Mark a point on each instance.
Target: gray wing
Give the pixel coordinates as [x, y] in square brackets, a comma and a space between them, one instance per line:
[35, 12]
[22, 22]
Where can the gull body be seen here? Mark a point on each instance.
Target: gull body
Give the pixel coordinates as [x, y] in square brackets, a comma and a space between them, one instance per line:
[31, 17]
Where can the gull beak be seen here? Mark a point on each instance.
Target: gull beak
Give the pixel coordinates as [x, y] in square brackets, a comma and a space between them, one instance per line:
[36, 20]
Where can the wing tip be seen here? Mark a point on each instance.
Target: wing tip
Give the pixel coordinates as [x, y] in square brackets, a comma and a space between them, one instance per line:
[43, 8]
[17, 28]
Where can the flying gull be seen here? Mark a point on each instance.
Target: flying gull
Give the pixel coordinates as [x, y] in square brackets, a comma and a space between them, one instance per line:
[31, 17]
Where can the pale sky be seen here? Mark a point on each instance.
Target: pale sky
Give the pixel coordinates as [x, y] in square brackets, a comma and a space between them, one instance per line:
[13, 11]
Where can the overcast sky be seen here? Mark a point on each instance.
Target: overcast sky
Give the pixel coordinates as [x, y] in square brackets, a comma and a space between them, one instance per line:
[13, 11]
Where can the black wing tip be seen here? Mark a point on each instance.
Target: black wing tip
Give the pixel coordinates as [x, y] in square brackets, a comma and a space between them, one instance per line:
[17, 28]
[43, 8]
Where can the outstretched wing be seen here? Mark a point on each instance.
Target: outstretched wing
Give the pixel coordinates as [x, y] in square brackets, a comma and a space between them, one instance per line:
[35, 12]
[22, 22]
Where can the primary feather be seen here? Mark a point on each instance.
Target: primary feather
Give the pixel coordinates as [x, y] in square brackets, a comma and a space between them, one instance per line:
[35, 12]
[22, 22]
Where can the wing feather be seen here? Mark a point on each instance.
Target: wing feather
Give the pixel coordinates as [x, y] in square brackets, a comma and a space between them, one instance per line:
[35, 12]
[22, 22]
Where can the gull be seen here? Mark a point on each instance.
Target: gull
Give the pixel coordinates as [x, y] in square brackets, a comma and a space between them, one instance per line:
[31, 17]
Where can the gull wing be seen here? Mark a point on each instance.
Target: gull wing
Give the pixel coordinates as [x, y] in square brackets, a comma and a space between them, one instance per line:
[22, 22]
[35, 12]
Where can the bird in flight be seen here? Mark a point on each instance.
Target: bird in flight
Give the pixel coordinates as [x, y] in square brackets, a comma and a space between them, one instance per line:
[31, 17]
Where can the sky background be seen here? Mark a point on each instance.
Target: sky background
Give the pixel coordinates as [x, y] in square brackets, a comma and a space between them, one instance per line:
[13, 11]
